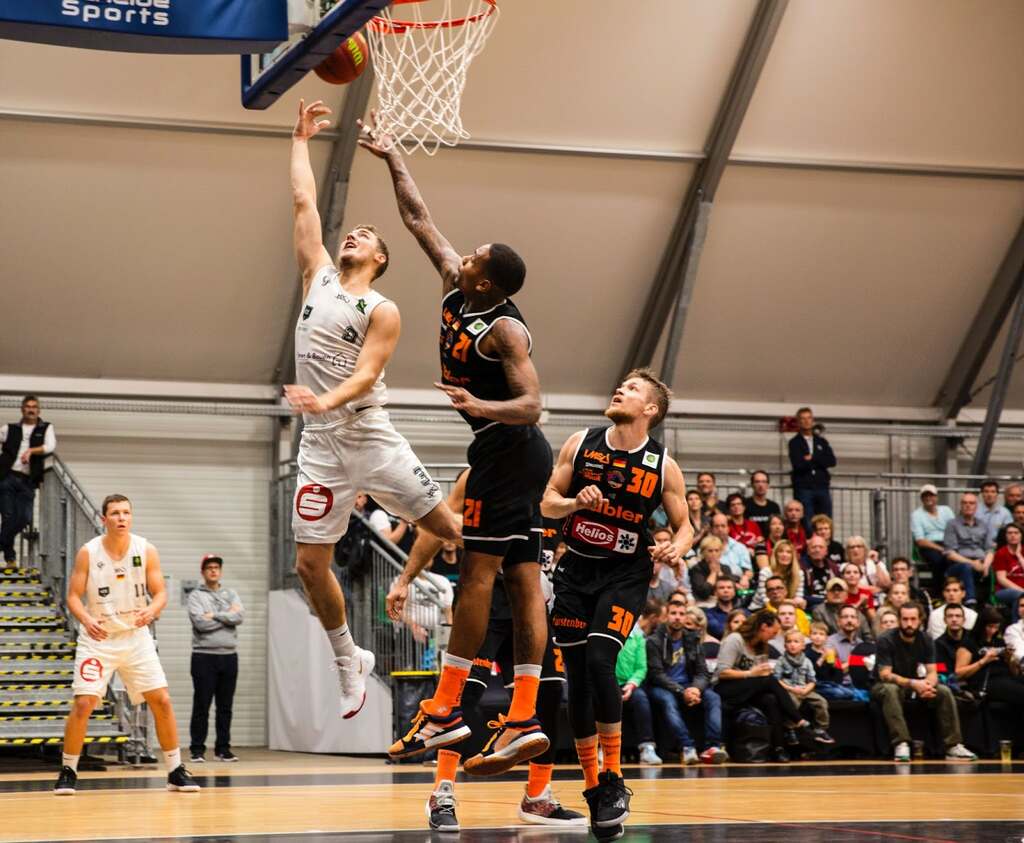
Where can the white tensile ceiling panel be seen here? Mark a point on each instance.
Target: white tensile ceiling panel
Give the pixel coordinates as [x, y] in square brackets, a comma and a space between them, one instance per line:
[591, 232]
[909, 81]
[839, 287]
[144, 254]
[982, 388]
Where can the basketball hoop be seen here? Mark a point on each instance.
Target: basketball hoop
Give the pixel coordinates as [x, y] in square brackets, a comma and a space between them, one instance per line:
[421, 68]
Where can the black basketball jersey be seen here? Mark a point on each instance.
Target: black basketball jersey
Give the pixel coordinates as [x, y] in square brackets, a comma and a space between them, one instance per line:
[631, 483]
[462, 362]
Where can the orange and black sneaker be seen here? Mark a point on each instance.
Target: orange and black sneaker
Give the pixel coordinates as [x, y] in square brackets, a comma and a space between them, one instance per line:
[513, 742]
[431, 732]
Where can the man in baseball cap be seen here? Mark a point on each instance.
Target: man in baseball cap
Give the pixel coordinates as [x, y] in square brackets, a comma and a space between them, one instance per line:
[215, 613]
[928, 527]
[835, 598]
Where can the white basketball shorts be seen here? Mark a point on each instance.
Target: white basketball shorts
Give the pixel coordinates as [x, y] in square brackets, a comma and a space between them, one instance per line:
[132, 655]
[364, 454]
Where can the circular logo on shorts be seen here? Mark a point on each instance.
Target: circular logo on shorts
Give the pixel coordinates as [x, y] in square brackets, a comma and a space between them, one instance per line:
[91, 670]
[313, 502]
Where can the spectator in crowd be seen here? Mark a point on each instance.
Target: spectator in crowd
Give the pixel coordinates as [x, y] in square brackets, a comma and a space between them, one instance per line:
[873, 572]
[775, 589]
[899, 595]
[982, 662]
[903, 573]
[852, 632]
[395, 532]
[446, 562]
[990, 512]
[24, 446]
[795, 673]
[776, 532]
[698, 520]
[950, 641]
[835, 598]
[744, 677]
[681, 596]
[1008, 565]
[427, 608]
[734, 555]
[676, 574]
[967, 548]
[758, 507]
[782, 563]
[821, 525]
[830, 674]
[857, 595]
[708, 488]
[1015, 639]
[900, 653]
[659, 588]
[886, 619]
[1018, 519]
[741, 528]
[818, 571]
[928, 528]
[1012, 495]
[810, 457]
[706, 572]
[737, 617]
[679, 679]
[725, 604]
[794, 520]
[952, 592]
[787, 622]
[215, 613]
[631, 673]
[696, 620]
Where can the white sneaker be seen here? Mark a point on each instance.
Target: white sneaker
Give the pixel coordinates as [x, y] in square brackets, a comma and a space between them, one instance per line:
[648, 754]
[901, 752]
[690, 756]
[353, 671]
[959, 752]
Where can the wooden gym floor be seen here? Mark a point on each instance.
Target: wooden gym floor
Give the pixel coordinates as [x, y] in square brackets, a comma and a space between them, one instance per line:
[277, 796]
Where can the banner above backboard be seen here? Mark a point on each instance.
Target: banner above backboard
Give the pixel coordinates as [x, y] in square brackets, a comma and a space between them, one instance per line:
[149, 26]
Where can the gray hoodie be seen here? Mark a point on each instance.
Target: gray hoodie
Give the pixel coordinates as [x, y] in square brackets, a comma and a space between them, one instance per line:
[216, 634]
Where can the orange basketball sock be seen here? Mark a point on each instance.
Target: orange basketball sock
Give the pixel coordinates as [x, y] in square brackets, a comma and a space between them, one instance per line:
[611, 746]
[454, 674]
[586, 749]
[524, 692]
[447, 765]
[538, 779]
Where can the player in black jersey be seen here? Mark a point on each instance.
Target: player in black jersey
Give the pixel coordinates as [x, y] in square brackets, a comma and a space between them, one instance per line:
[607, 483]
[538, 805]
[488, 376]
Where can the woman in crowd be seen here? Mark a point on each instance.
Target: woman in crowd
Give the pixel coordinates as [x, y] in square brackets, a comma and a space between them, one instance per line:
[982, 665]
[695, 619]
[782, 563]
[858, 595]
[899, 595]
[874, 574]
[822, 526]
[776, 532]
[1008, 566]
[743, 675]
[705, 573]
[699, 522]
[734, 620]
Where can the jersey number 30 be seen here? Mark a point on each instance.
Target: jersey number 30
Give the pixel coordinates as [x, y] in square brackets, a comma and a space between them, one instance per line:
[643, 483]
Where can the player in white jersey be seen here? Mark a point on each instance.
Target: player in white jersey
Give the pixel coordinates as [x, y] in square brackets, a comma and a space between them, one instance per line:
[118, 575]
[344, 337]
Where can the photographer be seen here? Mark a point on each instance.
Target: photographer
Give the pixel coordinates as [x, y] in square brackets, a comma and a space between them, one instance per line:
[982, 664]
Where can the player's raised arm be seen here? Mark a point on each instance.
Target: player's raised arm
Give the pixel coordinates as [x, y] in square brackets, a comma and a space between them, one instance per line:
[411, 206]
[508, 342]
[555, 504]
[309, 245]
[673, 499]
[381, 339]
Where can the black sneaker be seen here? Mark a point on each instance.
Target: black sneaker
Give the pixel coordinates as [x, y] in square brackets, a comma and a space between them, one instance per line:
[430, 732]
[791, 738]
[66, 782]
[226, 756]
[612, 832]
[608, 801]
[780, 755]
[181, 780]
[821, 736]
[441, 808]
[197, 758]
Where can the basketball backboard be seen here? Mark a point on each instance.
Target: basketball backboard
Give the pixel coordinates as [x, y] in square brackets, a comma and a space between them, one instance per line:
[317, 28]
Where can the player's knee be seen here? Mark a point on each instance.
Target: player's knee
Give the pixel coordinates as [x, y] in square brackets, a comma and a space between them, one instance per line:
[159, 701]
[602, 654]
[310, 566]
[83, 706]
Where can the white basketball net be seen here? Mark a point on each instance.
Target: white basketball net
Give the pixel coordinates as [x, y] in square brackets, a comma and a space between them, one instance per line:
[421, 69]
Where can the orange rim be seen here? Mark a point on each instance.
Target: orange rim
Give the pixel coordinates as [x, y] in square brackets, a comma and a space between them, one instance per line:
[400, 27]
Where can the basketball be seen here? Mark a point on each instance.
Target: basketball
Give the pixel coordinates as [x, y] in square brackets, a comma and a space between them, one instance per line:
[346, 63]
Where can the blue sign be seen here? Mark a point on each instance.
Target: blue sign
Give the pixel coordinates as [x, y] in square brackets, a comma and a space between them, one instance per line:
[149, 26]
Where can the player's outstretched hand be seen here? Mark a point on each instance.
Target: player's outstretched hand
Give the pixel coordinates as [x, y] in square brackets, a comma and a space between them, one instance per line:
[395, 600]
[666, 553]
[377, 142]
[302, 399]
[461, 399]
[589, 497]
[309, 125]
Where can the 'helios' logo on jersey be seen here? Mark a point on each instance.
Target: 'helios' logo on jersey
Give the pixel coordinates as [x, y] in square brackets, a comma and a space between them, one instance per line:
[306, 311]
[593, 533]
[313, 502]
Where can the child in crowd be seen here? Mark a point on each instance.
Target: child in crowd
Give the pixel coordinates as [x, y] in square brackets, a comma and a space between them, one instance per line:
[796, 674]
[830, 673]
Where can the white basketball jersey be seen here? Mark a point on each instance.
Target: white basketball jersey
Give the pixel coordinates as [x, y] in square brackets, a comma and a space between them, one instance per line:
[329, 335]
[115, 590]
